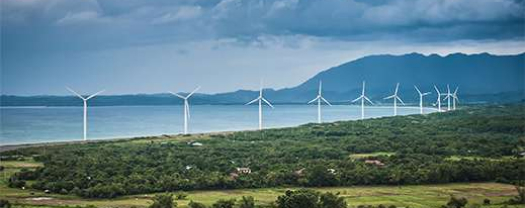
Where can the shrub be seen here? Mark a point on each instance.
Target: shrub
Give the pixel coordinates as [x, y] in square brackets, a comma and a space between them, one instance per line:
[163, 201]
[486, 201]
[457, 202]
[224, 203]
[247, 202]
[193, 204]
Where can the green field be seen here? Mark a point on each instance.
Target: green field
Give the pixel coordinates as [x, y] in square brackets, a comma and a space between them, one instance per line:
[402, 196]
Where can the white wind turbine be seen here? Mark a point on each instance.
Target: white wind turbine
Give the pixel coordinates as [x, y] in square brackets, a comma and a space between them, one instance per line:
[421, 95]
[448, 97]
[186, 107]
[319, 98]
[363, 98]
[396, 98]
[260, 99]
[455, 98]
[85, 99]
[438, 102]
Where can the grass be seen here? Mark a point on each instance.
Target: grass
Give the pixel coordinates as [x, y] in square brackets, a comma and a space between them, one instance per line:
[374, 154]
[417, 196]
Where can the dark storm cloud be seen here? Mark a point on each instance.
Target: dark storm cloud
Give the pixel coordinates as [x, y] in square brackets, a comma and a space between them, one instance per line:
[84, 24]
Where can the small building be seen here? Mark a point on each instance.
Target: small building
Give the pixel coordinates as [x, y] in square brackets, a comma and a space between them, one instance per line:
[331, 171]
[194, 144]
[299, 172]
[374, 162]
[243, 170]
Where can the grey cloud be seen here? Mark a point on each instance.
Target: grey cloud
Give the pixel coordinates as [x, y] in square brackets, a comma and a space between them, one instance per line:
[116, 23]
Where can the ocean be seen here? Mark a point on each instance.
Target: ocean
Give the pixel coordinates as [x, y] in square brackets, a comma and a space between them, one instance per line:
[26, 125]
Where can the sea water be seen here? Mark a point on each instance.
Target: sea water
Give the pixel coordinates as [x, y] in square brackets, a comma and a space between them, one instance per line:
[24, 125]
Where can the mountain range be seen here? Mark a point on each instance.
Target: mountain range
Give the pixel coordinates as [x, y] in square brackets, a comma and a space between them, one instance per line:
[480, 77]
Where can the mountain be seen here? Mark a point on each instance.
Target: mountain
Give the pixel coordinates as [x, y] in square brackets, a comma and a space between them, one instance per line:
[480, 78]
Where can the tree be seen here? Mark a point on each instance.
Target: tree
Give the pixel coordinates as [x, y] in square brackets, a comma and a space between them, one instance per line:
[302, 198]
[163, 201]
[330, 200]
[224, 203]
[320, 176]
[247, 202]
[193, 204]
[457, 202]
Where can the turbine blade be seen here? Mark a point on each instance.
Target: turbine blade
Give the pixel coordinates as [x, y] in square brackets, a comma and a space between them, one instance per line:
[315, 99]
[426, 93]
[353, 101]
[253, 101]
[78, 95]
[191, 93]
[456, 90]
[418, 91]
[397, 88]
[320, 86]
[363, 91]
[398, 98]
[437, 90]
[326, 101]
[366, 98]
[267, 102]
[180, 96]
[390, 97]
[93, 95]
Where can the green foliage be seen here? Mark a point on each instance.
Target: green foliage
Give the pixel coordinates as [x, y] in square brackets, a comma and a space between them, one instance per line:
[181, 195]
[457, 202]
[163, 201]
[330, 200]
[224, 203]
[4, 203]
[247, 202]
[193, 204]
[302, 198]
[418, 147]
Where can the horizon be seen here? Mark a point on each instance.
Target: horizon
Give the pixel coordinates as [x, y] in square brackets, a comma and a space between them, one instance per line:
[105, 93]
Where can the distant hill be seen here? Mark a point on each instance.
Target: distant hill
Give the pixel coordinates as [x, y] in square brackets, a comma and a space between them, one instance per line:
[480, 77]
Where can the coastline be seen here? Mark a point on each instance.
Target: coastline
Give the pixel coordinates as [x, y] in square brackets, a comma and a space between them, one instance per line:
[8, 147]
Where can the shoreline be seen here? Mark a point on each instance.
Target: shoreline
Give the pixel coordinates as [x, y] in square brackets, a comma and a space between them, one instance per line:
[9, 147]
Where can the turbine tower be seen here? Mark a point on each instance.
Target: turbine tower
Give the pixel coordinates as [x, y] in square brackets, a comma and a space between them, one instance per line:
[363, 98]
[85, 99]
[438, 102]
[319, 98]
[455, 98]
[421, 95]
[448, 97]
[260, 99]
[396, 98]
[186, 107]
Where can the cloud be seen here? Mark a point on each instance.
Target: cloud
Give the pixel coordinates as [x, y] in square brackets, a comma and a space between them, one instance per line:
[116, 23]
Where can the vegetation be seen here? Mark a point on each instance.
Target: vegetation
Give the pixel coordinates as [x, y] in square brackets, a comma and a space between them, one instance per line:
[163, 201]
[311, 155]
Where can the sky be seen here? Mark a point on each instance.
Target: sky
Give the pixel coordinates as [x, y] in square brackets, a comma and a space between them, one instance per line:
[144, 46]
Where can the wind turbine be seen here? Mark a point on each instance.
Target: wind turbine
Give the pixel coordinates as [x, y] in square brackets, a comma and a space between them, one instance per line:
[421, 95]
[260, 99]
[363, 98]
[319, 98]
[448, 97]
[438, 102]
[85, 99]
[455, 98]
[186, 107]
[396, 98]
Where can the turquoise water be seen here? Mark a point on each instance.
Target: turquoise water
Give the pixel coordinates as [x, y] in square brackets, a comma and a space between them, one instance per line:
[49, 124]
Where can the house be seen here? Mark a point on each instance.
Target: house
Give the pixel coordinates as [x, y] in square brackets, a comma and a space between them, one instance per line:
[331, 171]
[374, 162]
[194, 144]
[299, 172]
[243, 170]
